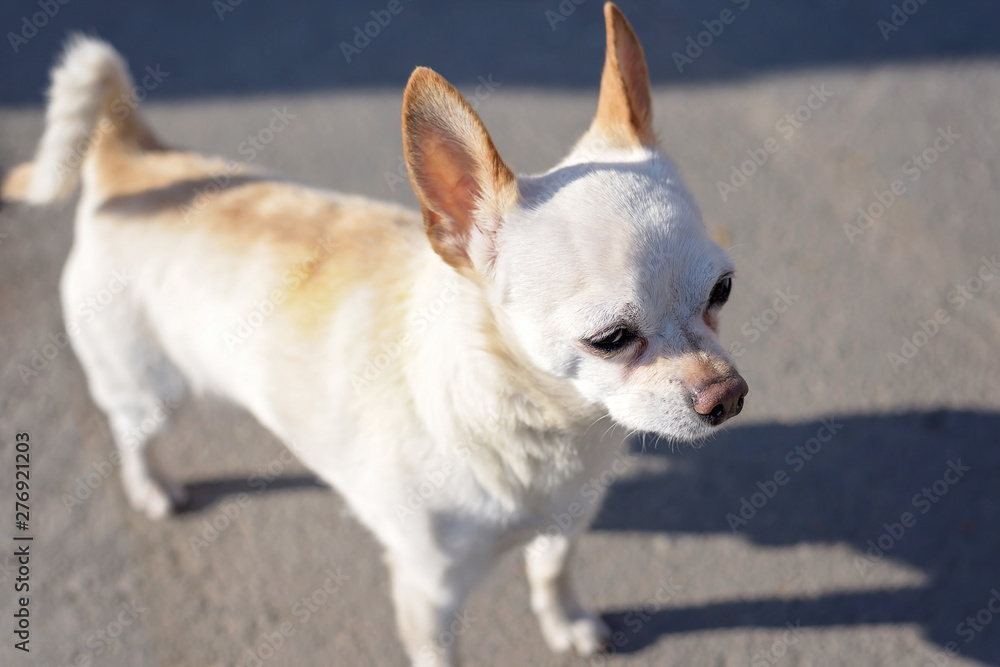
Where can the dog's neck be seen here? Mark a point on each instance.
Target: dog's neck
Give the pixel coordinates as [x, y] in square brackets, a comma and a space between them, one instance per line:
[484, 395]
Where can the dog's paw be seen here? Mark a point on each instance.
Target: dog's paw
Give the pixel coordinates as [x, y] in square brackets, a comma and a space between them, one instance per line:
[156, 500]
[583, 635]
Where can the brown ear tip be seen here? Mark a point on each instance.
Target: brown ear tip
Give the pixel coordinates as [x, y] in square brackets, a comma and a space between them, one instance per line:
[425, 84]
[611, 12]
[425, 77]
[421, 79]
[422, 75]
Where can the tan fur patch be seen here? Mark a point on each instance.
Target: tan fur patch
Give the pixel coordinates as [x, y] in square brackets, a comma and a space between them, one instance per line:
[711, 321]
[15, 186]
[122, 169]
[323, 244]
[694, 369]
[721, 236]
[624, 107]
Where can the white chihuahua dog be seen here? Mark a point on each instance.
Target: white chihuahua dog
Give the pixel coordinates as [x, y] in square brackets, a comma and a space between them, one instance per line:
[470, 369]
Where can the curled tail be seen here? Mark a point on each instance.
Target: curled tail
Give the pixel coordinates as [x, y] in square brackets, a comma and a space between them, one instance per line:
[90, 99]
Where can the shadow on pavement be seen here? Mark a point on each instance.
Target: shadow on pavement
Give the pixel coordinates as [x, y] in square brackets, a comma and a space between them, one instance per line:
[854, 489]
[202, 495]
[940, 467]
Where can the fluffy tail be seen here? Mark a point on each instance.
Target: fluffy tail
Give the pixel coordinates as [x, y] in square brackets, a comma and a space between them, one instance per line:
[90, 99]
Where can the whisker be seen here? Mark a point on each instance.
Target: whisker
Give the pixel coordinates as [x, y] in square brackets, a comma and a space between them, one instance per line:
[595, 423]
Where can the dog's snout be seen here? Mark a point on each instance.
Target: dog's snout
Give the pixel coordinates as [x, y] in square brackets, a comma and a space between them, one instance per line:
[721, 399]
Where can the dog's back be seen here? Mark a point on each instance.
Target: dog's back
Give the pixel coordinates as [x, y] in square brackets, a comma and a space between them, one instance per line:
[223, 279]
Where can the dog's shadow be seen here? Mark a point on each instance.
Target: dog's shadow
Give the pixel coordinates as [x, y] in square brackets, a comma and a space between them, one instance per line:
[203, 495]
[873, 470]
[864, 477]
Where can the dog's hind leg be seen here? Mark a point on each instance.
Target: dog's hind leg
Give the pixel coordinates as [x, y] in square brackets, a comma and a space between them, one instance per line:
[128, 374]
[565, 624]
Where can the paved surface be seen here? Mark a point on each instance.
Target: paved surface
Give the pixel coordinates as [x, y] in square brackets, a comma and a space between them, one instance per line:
[662, 562]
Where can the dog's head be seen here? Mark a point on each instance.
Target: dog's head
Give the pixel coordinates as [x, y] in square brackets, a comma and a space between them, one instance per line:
[601, 268]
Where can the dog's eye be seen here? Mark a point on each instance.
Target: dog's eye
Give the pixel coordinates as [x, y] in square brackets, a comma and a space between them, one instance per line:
[720, 293]
[614, 341]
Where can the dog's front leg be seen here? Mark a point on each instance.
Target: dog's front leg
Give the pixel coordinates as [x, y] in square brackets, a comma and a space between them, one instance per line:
[428, 601]
[565, 624]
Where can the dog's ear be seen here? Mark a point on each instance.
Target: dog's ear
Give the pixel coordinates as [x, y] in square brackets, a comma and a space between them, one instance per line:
[457, 174]
[625, 107]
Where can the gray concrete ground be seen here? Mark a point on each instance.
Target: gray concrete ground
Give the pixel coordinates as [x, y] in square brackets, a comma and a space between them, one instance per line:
[794, 581]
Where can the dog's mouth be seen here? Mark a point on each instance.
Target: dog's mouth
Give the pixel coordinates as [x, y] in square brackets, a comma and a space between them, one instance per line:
[688, 416]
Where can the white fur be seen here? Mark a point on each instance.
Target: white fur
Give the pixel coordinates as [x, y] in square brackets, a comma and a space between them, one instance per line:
[89, 76]
[493, 401]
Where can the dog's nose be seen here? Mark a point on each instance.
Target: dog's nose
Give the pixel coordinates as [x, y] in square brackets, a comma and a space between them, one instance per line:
[720, 400]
